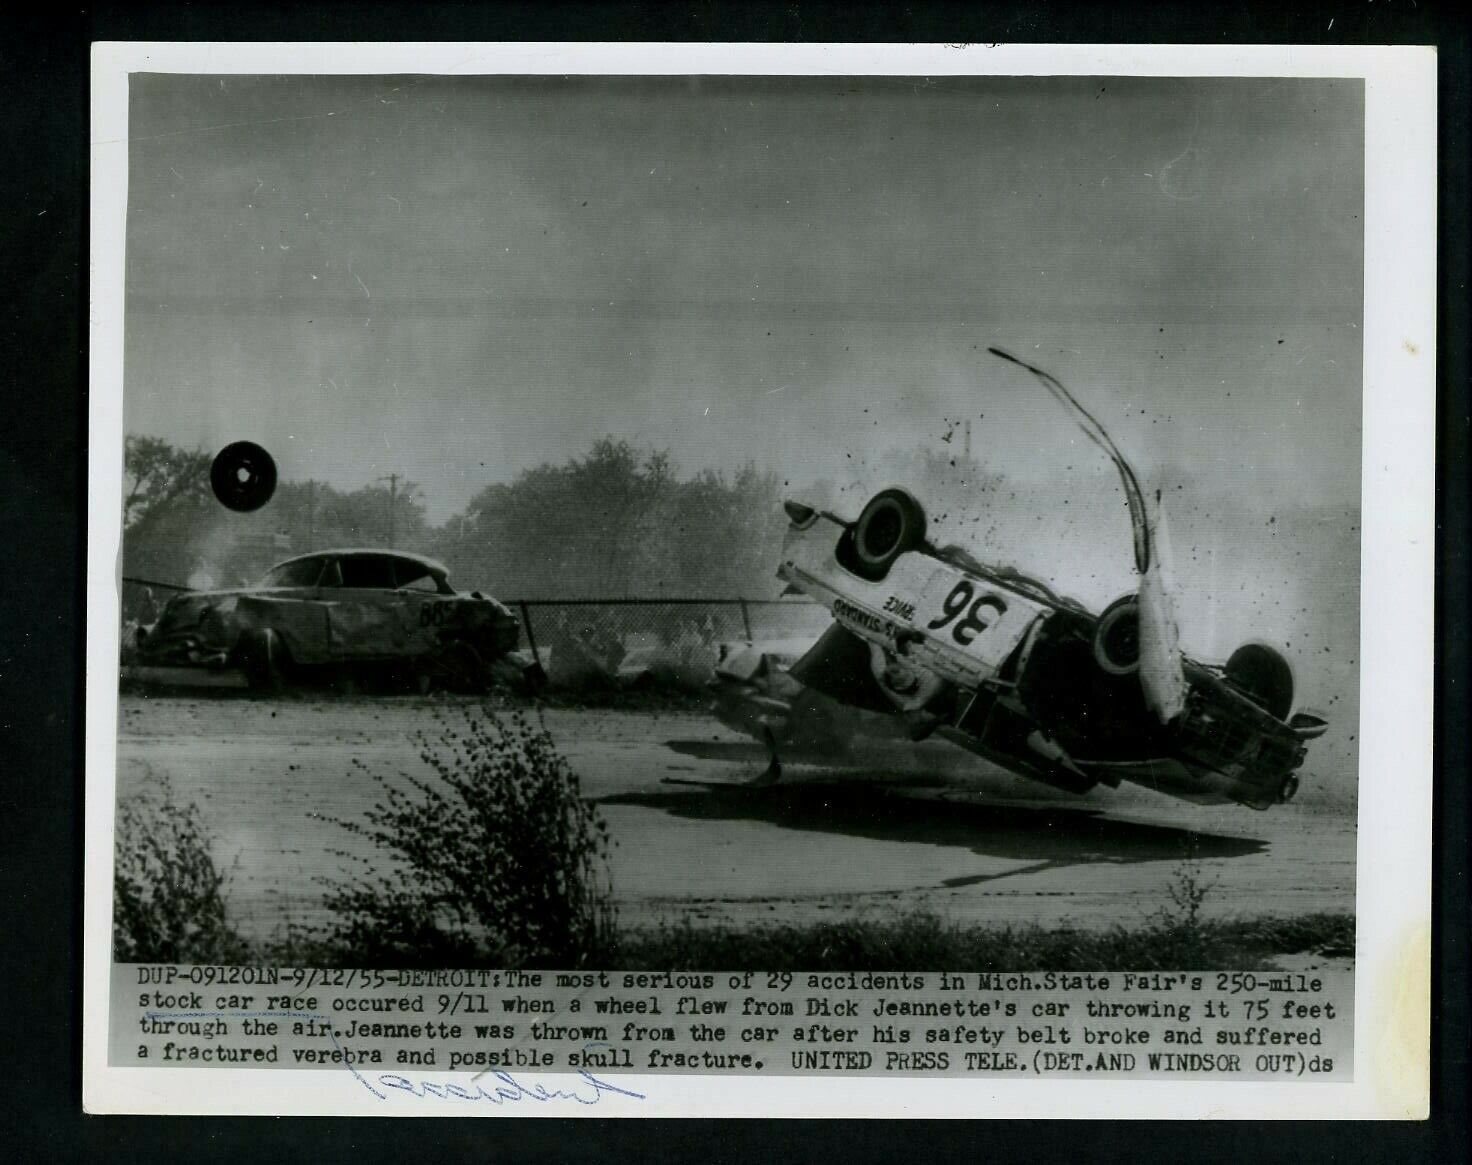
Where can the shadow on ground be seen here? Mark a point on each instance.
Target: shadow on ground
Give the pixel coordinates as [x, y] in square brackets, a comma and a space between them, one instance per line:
[741, 751]
[1045, 837]
[916, 764]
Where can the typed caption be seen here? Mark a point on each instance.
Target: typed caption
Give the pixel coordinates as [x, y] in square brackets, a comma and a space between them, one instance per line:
[1241, 1025]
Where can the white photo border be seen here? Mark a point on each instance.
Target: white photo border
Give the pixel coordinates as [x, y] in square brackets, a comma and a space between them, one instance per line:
[1393, 957]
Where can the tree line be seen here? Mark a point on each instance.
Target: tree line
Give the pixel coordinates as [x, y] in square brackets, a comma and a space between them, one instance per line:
[618, 521]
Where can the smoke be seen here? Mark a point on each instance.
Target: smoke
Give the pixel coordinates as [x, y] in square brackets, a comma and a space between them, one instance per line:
[215, 554]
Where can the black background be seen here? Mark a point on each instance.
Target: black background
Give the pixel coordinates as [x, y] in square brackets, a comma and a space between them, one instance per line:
[43, 335]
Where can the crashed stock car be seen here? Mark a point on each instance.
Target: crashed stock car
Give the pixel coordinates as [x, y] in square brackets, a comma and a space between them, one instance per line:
[997, 663]
[384, 613]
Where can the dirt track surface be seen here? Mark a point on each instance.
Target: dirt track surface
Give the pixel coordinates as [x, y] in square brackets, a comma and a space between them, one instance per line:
[895, 829]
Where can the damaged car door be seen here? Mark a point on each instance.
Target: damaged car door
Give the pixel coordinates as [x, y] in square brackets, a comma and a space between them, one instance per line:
[363, 608]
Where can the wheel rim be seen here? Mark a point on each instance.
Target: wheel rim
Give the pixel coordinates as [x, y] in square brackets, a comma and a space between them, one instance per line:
[883, 529]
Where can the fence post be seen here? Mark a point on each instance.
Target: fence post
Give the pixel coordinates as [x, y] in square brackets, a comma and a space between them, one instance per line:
[745, 617]
[526, 623]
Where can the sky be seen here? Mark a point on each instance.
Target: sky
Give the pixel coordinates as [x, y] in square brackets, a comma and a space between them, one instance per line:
[456, 279]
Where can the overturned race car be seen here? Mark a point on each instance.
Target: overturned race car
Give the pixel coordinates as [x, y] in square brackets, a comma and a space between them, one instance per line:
[355, 614]
[994, 661]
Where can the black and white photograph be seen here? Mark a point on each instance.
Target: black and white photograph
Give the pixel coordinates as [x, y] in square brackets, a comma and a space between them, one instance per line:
[627, 526]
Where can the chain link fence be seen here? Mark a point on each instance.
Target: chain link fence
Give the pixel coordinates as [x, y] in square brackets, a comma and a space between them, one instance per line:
[673, 641]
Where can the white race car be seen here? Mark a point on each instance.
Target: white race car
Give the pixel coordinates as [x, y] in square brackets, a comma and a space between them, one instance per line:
[997, 663]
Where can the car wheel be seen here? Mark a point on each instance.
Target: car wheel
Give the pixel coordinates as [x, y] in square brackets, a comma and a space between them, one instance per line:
[264, 659]
[464, 669]
[891, 523]
[1263, 674]
[1116, 642]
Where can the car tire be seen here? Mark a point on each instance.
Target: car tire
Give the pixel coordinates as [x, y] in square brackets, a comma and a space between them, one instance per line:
[1116, 639]
[892, 523]
[265, 661]
[1263, 674]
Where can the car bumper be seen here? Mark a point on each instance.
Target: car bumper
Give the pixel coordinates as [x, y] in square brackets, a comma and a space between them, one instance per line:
[183, 677]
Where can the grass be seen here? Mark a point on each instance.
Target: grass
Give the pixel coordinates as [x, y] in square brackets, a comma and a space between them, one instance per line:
[912, 942]
[925, 942]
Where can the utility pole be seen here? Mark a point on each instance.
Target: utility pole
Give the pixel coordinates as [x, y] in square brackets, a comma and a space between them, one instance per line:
[393, 493]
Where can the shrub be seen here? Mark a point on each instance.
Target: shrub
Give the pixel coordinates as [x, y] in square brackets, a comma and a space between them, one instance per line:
[1180, 932]
[168, 901]
[499, 862]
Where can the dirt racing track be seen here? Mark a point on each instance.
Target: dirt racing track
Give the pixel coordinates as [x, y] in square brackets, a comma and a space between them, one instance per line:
[900, 828]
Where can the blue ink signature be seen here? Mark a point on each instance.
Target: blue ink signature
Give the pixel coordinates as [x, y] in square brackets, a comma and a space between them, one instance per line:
[509, 1091]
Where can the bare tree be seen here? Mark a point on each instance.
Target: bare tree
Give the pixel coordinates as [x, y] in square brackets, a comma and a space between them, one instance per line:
[156, 473]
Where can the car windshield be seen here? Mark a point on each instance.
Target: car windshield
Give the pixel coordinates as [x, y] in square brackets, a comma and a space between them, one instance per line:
[301, 572]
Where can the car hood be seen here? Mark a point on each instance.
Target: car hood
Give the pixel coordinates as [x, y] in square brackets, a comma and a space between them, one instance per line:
[236, 592]
[225, 596]
[185, 612]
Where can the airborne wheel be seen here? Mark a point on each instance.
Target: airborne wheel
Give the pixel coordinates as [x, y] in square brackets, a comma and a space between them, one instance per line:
[243, 476]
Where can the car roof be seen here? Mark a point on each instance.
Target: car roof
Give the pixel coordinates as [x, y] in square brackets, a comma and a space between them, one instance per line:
[428, 564]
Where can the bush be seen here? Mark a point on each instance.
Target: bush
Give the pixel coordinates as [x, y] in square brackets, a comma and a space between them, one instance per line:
[168, 901]
[1180, 933]
[498, 863]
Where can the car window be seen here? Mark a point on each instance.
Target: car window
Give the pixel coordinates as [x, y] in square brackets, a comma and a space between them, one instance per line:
[302, 572]
[413, 577]
[367, 570]
[332, 576]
